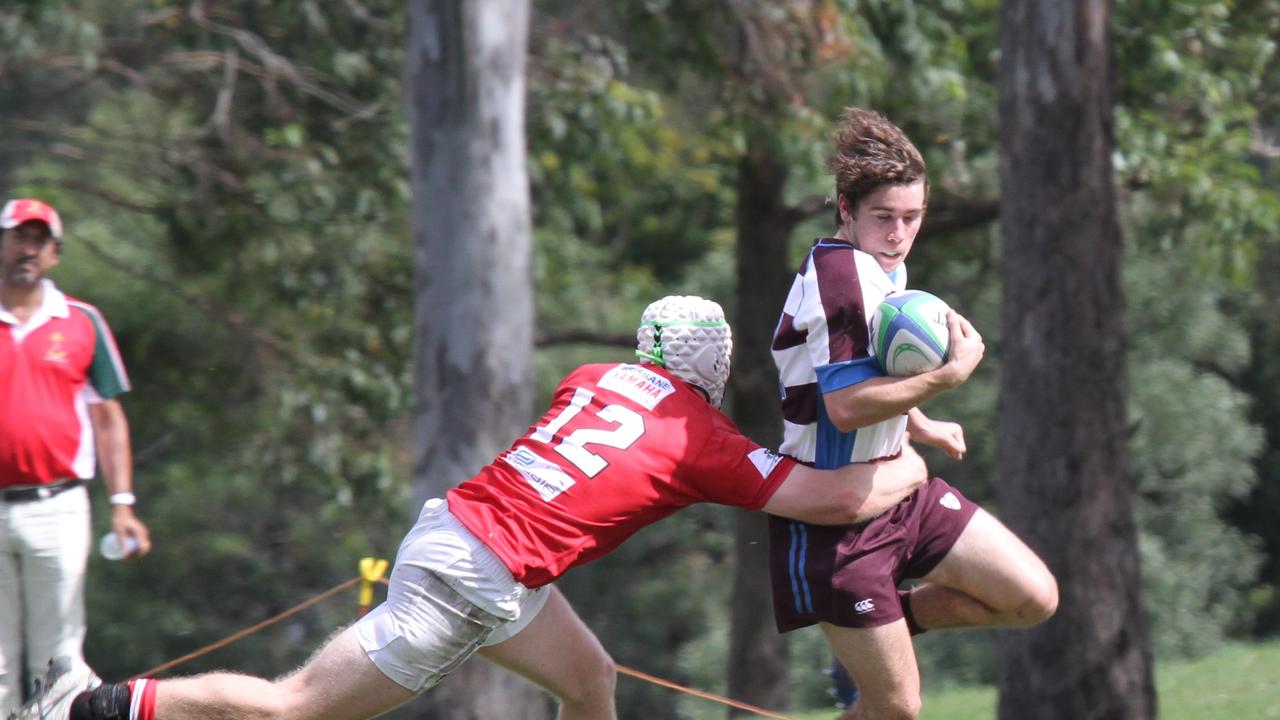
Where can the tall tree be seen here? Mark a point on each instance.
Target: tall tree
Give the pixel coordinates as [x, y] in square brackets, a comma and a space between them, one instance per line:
[473, 301]
[1063, 457]
[758, 654]
[771, 50]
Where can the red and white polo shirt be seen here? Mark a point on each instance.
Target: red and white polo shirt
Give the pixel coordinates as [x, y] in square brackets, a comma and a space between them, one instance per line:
[51, 367]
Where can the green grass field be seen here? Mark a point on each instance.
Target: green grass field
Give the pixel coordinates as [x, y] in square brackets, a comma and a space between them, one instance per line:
[1242, 682]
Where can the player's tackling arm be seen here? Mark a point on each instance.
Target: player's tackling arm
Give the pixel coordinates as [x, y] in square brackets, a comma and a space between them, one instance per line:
[881, 398]
[850, 494]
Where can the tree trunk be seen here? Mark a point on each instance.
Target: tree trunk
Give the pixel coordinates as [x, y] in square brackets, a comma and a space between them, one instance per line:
[473, 307]
[758, 655]
[1063, 448]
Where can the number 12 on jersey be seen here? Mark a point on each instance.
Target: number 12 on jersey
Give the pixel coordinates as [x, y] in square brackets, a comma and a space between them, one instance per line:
[627, 426]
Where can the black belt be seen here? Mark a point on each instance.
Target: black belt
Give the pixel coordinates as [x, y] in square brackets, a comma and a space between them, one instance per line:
[38, 492]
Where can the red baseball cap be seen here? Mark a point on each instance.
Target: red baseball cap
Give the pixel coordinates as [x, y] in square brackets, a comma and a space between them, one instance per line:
[23, 210]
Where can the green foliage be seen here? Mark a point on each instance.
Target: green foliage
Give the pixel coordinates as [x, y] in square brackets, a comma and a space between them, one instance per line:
[1192, 447]
[237, 205]
[624, 202]
[1191, 87]
[1261, 379]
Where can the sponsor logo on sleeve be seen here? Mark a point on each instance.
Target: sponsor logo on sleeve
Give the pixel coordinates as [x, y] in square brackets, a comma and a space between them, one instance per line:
[645, 387]
[862, 607]
[764, 460]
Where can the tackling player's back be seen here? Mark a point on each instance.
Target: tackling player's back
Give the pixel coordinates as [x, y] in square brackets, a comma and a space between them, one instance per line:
[621, 447]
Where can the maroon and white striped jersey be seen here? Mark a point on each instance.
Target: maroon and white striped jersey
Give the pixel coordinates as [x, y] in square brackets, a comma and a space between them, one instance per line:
[822, 344]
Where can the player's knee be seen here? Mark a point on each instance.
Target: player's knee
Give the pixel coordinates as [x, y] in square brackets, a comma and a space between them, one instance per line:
[1041, 602]
[907, 709]
[603, 675]
[594, 684]
[899, 706]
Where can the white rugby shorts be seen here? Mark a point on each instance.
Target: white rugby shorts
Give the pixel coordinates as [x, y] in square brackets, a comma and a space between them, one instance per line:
[449, 596]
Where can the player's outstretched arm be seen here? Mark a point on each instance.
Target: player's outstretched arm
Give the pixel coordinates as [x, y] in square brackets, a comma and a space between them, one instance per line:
[880, 398]
[850, 494]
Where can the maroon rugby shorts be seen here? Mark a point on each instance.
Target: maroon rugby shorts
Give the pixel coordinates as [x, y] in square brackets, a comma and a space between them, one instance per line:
[848, 575]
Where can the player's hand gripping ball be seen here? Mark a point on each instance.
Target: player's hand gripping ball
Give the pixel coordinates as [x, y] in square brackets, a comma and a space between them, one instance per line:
[909, 333]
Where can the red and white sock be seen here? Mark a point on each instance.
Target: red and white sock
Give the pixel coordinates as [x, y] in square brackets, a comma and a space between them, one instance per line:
[142, 699]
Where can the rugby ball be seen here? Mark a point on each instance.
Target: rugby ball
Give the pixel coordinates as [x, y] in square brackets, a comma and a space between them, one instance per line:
[909, 333]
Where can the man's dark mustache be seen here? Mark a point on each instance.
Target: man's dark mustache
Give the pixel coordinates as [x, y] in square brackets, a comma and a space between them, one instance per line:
[20, 262]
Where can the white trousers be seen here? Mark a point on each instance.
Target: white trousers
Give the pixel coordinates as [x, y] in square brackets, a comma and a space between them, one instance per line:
[44, 550]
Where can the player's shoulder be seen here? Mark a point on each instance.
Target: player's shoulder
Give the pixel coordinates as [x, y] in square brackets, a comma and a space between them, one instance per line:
[837, 262]
[831, 250]
[641, 383]
[824, 252]
[586, 372]
[651, 389]
[594, 373]
[722, 444]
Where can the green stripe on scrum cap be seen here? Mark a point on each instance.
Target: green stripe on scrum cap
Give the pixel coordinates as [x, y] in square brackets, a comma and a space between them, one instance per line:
[657, 325]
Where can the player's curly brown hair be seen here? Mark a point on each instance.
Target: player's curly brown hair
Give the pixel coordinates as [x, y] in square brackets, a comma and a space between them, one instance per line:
[870, 152]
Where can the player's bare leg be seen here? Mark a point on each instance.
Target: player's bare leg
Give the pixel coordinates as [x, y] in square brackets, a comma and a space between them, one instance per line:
[559, 652]
[882, 662]
[338, 683]
[989, 577]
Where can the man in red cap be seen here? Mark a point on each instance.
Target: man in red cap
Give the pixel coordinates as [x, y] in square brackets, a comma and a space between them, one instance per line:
[60, 416]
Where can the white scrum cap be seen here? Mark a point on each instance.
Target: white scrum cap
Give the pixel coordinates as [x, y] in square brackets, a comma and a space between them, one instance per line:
[688, 336]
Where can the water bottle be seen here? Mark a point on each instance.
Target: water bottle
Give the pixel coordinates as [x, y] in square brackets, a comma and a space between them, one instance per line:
[112, 550]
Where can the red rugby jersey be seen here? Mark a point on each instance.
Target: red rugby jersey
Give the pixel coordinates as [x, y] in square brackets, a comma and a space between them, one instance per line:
[46, 364]
[622, 447]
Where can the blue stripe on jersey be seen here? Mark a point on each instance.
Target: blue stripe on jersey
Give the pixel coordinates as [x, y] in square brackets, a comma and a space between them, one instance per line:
[799, 583]
[838, 376]
[834, 448]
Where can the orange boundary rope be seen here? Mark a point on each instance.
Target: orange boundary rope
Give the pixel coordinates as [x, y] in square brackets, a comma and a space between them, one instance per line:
[362, 578]
[701, 693]
[249, 630]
